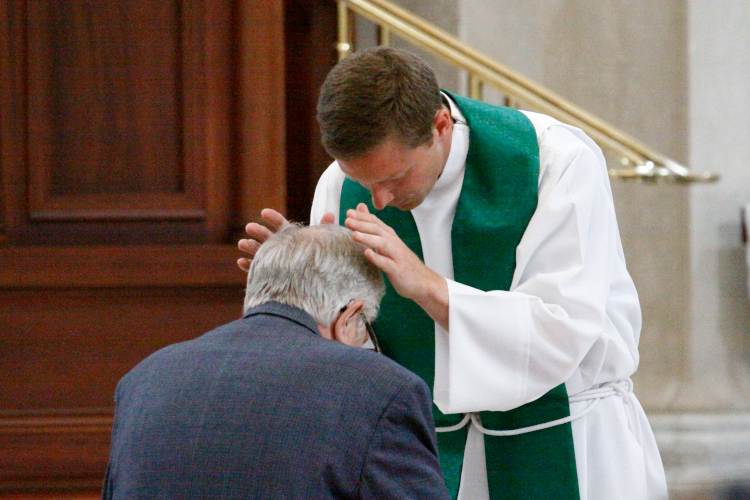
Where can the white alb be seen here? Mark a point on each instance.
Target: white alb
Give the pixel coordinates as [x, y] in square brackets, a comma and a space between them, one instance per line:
[571, 315]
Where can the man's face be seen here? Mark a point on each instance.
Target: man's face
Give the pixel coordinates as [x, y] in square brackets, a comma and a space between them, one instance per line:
[399, 176]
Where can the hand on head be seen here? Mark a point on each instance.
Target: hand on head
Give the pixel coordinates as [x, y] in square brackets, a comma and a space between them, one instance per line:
[406, 272]
[387, 251]
[258, 234]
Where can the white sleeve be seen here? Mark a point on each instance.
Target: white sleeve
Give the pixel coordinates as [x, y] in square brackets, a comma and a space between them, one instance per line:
[327, 194]
[507, 348]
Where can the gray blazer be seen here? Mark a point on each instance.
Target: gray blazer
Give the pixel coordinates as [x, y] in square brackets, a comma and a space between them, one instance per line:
[266, 408]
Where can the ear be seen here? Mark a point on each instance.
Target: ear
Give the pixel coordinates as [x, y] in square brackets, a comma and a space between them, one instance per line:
[346, 327]
[443, 122]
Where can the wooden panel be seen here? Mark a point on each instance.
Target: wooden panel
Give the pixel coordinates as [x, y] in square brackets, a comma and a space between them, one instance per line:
[218, 138]
[228, 79]
[64, 351]
[173, 265]
[310, 53]
[260, 108]
[5, 48]
[108, 122]
[158, 87]
[67, 348]
[110, 232]
[98, 71]
[12, 104]
[53, 451]
[87, 494]
[3, 227]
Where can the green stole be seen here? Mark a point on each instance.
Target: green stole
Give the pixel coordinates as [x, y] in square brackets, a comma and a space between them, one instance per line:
[498, 198]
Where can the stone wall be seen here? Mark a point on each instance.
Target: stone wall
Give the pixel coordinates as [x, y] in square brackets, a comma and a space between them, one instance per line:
[675, 74]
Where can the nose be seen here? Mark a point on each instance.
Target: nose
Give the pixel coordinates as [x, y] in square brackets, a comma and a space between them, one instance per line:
[381, 197]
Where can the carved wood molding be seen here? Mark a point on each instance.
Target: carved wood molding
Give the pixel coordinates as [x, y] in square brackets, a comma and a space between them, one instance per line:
[54, 450]
[83, 421]
[105, 266]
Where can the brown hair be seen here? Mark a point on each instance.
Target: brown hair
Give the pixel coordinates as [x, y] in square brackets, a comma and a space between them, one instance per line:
[376, 94]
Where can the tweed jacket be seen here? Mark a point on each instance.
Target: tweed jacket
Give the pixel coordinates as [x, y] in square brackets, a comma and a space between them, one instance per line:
[266, 408]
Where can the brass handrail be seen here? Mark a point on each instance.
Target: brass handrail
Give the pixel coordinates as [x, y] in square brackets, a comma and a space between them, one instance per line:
[638, 160]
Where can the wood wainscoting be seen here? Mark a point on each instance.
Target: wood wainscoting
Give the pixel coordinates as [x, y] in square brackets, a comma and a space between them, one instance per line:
[73, 322]
[136, 140]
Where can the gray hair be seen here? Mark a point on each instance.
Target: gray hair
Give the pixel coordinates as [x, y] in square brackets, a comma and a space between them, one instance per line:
[318, 269]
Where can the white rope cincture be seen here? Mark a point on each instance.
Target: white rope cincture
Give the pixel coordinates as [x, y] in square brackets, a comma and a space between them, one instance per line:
[463, 422]
[594, 395]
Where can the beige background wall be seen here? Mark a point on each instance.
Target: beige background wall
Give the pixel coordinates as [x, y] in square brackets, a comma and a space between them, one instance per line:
[719, 103]
[626, 62]
[442, 13]
[676, 75]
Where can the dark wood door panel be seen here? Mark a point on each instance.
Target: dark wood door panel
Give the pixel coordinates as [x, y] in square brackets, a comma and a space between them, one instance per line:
[123, 126]
[120, 267]
[114, 232]
[123, 111]
[68, 348]
[310, 51]
[104, 81]
[107, 108]
[86, 494]
[114, 112]
[63, 352]
[55, 457]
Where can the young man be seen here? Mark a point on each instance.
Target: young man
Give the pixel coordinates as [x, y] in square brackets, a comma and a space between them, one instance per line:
[508, 291]
[269, 406]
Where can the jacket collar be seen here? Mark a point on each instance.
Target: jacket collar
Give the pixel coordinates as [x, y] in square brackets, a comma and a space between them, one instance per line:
[285, 311]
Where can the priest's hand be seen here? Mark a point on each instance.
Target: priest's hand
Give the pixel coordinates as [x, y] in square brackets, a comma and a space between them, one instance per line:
[406, 272]
[259, 234]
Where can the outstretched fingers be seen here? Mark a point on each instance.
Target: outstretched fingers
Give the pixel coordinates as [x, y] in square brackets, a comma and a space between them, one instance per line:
[365, 222]
[363, 208]
[257, 232]
[365, 227]
[274, 218]
[385, 264]
[244, 264]
[249, 246]
[378, 243]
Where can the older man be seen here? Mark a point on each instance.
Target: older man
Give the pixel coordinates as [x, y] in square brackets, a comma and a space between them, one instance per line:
[509, 292]
[269, 406]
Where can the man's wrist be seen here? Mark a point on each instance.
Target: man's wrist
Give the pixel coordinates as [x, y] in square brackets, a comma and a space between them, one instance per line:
[432, 296]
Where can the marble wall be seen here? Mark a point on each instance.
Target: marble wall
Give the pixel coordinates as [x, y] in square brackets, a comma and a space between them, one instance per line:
[675, 74]
[625, 62]
[441, 13]
[719, 103]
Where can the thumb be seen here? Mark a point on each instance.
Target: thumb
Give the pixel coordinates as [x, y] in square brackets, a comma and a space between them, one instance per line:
[328, 218]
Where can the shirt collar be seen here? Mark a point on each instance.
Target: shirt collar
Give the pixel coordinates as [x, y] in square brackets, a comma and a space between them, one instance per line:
[455, 112]
[285, 311]
[454, 167]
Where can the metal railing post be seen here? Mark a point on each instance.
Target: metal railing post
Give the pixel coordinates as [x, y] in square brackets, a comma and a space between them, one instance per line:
[344, 45]
[476, 87]
[638, 160]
